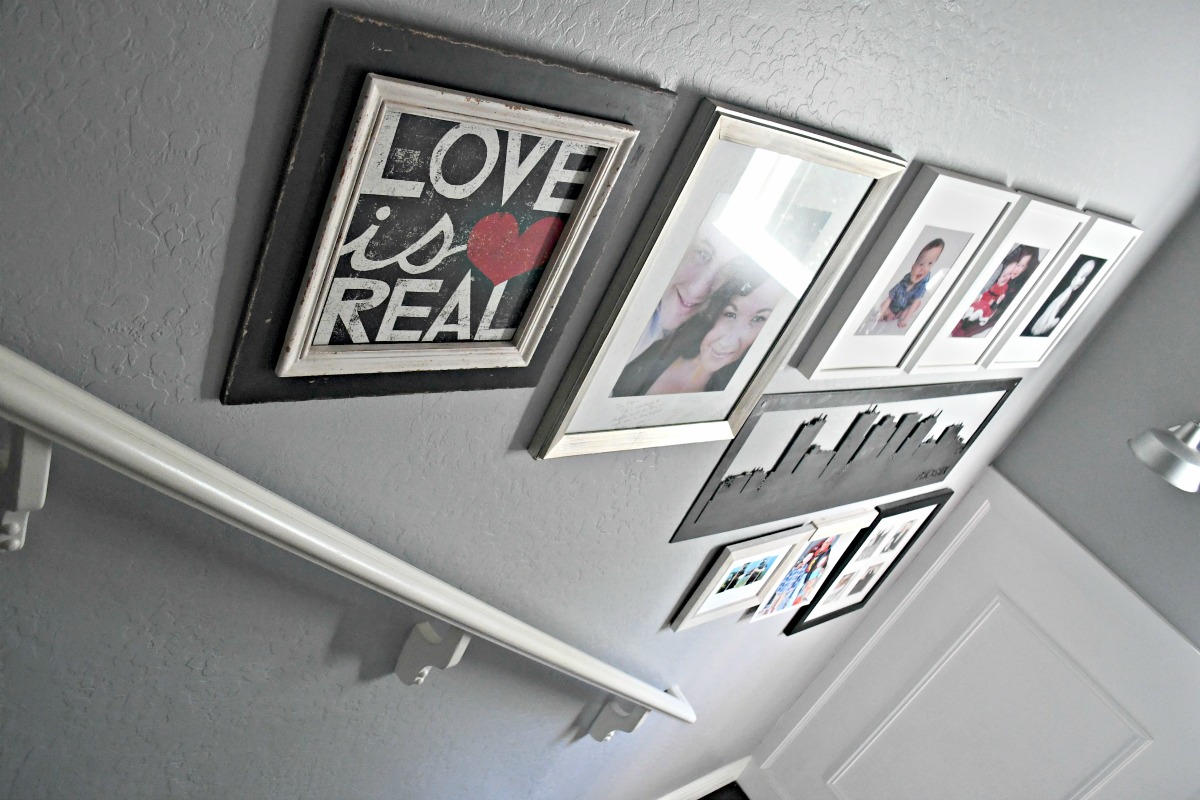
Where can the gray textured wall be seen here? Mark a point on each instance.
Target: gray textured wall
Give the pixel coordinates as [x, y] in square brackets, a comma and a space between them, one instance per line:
[149, 652]
[1139, 371]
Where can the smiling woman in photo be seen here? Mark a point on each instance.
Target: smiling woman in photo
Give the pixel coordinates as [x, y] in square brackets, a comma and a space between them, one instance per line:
[706, 350]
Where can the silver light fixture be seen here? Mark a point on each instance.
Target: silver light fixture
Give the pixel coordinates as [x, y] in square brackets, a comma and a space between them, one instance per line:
[1174, 454]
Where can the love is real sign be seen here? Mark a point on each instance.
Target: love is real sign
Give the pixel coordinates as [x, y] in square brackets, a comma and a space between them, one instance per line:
[443, 230]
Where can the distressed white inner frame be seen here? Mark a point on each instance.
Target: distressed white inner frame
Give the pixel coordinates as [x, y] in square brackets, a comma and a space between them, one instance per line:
[950, 203]
[1047, 226]
[301, 357]
[1105, 238]
[557, 440]
[786, 543]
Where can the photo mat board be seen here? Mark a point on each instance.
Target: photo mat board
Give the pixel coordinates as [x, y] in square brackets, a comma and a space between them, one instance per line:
[801, 453]
[739, 576]
[994, 287]
[748, 234]
[810, 564]
[351, 48]
[871, 559]
[943, 220]
[1076, 279]
[456, 223]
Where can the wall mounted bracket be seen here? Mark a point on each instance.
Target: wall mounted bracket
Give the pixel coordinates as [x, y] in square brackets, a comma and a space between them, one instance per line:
[24, 475]
[425, 649]
[622, 715]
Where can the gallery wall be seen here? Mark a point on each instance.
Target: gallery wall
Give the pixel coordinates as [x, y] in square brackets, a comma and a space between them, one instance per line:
[146, 651]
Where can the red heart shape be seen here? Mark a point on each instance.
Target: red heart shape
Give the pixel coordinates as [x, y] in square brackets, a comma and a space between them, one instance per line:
[500, 251]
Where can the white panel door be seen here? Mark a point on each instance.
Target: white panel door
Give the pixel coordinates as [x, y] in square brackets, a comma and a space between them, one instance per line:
[1005, 664]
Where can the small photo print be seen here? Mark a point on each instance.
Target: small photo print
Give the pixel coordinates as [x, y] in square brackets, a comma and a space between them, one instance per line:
[897, 537]
[712, 311]
[871, 544]
[923, 269]
[1072, 286]
[865, 580]
[840, 586]
[803, 579]
[746, 574]
[1000, 291]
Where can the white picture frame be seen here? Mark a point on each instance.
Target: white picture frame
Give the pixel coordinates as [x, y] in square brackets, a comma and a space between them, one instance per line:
[309, 348]
[810, 564]
[995, 286]
[739, 576]
[944, 219]
[736, 173]
[1105, 240]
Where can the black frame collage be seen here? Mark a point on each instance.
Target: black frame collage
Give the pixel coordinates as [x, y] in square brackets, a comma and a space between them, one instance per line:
[455, 224]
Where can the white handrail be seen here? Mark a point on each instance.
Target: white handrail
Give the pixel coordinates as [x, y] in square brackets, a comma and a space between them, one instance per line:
[43, 403]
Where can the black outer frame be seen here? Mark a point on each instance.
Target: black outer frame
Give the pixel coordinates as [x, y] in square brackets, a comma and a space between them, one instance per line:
[802, 621]
[351, 47]
[691, 528]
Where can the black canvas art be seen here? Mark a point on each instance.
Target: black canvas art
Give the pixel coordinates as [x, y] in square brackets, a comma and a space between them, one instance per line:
[803, 453]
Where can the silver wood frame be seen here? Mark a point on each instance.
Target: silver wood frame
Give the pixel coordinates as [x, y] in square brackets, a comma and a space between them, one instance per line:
[715, 122]
[300, 357]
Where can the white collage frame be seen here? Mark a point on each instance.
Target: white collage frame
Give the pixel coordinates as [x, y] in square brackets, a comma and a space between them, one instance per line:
[1034, 220]
[937, 198]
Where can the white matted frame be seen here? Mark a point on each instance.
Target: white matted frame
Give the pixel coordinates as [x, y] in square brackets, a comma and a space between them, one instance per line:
[381, 96]
[799, 580]
[719, 594]
[1077, 277]
[795, 203]
[986, 299]
[944, 219]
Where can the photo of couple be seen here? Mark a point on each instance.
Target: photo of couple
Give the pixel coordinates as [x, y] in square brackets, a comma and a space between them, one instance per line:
[712, 311]
[926, 266]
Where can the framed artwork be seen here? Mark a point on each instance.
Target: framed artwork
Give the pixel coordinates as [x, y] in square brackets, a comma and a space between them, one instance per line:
[451, 233]
[995, 285]
[426, 233]
[750, 230]
[807, 567]
[1074, 280]
[872, 557]
[739, 576]
[801, 453]
[943, 221]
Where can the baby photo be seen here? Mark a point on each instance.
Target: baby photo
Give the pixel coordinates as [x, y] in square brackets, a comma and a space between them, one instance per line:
[1069, 289]
[1000, 291]
[710, 314]
[926, 265]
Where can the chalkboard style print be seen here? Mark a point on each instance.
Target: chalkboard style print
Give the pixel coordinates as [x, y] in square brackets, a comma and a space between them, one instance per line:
[802, 453]
[450, 234]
